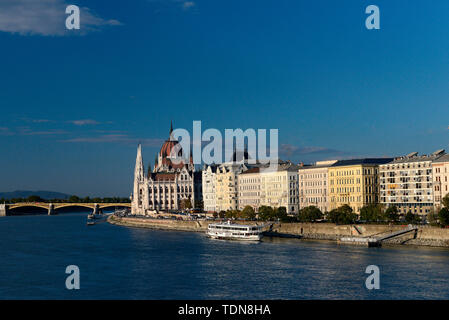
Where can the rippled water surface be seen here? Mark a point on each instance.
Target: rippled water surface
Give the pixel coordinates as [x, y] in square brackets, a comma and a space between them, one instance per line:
[129, 263]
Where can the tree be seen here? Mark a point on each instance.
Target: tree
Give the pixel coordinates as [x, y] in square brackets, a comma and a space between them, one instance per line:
[280, 214]
[186, 204]
[35, 199]
[445, 201]
[266, 213]
[248, 213]
[443, 215]
[310, 214]
[373, 213]
[199, 204]
[342, 215]
[232, 214]
[412, 218]
[392, 214]
[433, 218]
[74, 199]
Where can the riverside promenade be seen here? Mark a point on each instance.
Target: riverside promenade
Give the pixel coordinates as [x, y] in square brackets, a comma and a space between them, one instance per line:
[425, 235]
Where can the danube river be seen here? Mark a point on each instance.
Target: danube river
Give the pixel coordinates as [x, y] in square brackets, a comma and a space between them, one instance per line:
[126, 263]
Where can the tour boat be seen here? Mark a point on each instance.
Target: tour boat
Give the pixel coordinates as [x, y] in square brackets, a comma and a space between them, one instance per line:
[231, 231]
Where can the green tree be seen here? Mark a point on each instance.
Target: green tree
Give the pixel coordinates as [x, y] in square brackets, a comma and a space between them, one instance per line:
[248, 213]
[373, 213]
[186, 204]
[310, 214]
[392, 214]
[281, 214]
[232, 214]
[342, 215]
[432, 218]
[412, 218]
[199, 204]
[74, 199]
[445, 201]
[34, 199]
[266, 213]
[443, 215]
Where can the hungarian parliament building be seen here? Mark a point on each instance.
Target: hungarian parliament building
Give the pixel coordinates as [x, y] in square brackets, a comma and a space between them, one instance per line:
[171, 185]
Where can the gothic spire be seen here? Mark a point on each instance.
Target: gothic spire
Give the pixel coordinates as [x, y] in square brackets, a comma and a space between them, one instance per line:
[171, 131]
[138, 177]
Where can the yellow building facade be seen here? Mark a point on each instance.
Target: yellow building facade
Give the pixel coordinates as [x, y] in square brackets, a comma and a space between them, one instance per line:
[355, 183]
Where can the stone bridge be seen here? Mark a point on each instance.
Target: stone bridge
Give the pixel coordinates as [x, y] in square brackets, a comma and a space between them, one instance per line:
[5, 209]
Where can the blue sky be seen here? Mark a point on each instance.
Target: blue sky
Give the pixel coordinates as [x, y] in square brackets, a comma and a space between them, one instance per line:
[75, 104]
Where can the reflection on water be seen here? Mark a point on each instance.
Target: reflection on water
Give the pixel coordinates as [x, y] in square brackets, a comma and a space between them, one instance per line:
[127, 263]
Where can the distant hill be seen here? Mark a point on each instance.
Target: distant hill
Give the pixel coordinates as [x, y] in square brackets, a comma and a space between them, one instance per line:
[25, 194]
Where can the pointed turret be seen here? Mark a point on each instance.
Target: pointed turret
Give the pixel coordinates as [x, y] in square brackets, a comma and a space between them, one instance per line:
[156, 162]
[139, 178]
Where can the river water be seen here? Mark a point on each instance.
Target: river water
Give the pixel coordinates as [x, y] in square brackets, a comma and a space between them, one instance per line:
[129, 263]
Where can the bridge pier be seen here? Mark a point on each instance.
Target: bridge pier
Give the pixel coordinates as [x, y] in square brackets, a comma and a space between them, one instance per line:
[3, 209]
[51, 209]
[96, 208]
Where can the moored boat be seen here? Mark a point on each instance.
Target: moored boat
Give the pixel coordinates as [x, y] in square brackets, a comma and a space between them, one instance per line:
[233, 231]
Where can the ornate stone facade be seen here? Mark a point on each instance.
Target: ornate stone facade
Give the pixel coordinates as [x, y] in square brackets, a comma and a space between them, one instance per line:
[172, 185]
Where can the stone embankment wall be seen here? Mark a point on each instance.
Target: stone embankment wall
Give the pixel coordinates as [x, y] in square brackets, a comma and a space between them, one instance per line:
[426, 236]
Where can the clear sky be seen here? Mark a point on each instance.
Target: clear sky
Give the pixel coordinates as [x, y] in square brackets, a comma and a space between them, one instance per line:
[74, 104]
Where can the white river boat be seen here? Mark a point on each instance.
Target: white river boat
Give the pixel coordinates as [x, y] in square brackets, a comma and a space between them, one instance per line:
[232, 231]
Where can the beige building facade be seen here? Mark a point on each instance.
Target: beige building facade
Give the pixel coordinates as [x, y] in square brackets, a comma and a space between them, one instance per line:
[314, 186]
[440, 169]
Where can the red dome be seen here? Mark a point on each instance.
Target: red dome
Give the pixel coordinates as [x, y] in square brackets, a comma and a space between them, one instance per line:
[166, 152]
[167, 148]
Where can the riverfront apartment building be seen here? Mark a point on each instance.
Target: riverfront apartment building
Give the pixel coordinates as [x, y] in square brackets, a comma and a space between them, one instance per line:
[407, 183]
[280, 188]
[226, 187]
[440, 170]
[355, 182]
[314, 186]
[209, 181]
[249, 183]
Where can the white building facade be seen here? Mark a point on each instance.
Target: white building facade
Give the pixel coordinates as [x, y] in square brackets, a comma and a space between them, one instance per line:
[407, 183]
[280, 188]
[209, 181]
[249, 184]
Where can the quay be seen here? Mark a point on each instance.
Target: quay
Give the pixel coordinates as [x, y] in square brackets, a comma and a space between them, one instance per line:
[385, 234]
[376, 241]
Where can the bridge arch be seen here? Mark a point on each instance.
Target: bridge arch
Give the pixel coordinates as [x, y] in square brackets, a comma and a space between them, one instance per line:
[27, 208]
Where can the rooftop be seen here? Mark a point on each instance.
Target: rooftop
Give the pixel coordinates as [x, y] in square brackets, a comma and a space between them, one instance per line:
[414, 157]
[365, 161]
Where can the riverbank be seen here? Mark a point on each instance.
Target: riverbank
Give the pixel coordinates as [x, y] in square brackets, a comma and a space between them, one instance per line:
[425, 236]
